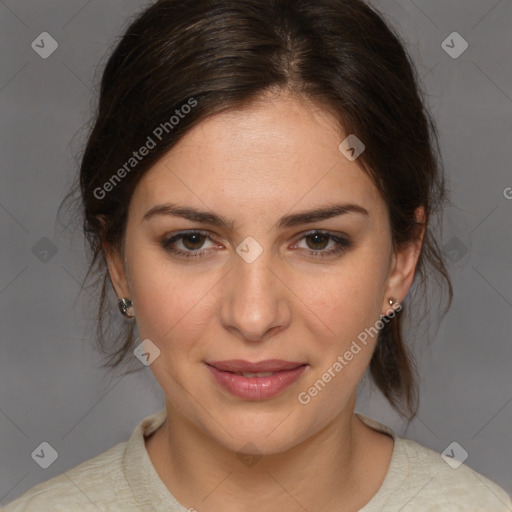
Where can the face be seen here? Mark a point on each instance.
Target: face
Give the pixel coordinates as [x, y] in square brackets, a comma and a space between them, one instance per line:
[264, 284]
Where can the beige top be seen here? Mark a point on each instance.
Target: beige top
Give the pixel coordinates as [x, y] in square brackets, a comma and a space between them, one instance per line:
[123, 478]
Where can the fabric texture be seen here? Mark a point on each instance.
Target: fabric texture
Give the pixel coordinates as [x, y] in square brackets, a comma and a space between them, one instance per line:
[123, 478]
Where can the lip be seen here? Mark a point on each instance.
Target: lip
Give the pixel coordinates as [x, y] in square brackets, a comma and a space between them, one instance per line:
[256, 388]
[269, 365]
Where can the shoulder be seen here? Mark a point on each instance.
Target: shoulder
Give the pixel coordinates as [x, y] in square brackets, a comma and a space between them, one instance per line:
[89, 486]
[439, 483]
[421, 479]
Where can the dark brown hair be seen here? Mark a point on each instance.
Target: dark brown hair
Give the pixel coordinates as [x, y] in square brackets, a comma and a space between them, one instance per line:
[219, 55]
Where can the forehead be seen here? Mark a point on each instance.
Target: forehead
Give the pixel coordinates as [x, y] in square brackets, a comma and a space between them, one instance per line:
[274, 154]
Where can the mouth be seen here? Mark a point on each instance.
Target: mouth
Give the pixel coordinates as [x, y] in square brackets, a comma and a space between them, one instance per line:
[256, 381]
[267, 366]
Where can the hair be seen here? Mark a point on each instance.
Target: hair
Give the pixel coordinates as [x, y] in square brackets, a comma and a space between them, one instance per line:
[220, 55]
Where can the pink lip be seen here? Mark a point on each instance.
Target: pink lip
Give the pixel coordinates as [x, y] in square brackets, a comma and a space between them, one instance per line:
[240, 365]
[256, 388]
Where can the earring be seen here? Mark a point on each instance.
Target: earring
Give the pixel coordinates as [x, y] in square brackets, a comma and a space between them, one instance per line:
[126, 308]
[394, 306]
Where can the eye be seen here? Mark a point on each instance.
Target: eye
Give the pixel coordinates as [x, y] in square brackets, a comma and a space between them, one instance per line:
[192, 241]
[318, 241]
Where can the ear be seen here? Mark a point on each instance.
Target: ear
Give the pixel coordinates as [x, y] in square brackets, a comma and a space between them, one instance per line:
[116, 267]
[117, 272]
[403, 264]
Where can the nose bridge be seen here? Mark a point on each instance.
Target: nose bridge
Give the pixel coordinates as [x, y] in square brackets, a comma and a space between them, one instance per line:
[252, 270]
[255, 302]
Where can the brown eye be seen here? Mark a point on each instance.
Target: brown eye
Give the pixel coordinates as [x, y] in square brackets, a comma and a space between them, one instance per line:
[318, 241]
[191, 242]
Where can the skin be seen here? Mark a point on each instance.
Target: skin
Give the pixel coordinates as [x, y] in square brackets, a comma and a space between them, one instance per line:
[278, 156]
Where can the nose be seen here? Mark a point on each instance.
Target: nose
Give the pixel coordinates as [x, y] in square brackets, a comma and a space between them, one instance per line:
[256, 301]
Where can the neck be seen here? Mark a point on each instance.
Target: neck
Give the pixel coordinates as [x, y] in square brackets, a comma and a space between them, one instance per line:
[319, 473]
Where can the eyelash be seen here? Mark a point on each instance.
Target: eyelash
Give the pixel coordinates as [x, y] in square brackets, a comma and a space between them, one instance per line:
[342, 244]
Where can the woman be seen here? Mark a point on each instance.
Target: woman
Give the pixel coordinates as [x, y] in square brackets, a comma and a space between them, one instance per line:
[258, 190]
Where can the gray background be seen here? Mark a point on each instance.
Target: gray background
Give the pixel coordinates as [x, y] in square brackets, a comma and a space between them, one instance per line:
[51, 386]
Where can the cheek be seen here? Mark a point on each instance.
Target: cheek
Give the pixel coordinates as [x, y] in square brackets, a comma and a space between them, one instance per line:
[171, 302]
[171, 313]
[343, 308]
[346, 299]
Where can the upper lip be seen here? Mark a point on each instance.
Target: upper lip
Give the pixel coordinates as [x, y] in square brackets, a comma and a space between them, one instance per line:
[269, 365]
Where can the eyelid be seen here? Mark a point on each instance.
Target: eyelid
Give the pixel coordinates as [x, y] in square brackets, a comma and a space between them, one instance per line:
[341, 240]
[168, 239]
[326, 232]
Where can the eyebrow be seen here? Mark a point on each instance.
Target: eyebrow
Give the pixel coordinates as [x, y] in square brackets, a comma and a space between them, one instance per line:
[290, 220]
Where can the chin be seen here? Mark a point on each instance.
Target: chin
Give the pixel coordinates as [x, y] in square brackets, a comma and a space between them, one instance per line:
[259, 445]
[259, 436]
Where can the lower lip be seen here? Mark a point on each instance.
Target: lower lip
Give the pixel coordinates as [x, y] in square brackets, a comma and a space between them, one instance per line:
[256, 388]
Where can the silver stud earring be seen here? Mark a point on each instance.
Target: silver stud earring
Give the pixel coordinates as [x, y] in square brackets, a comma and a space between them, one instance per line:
[391, 301]
[126, 308]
